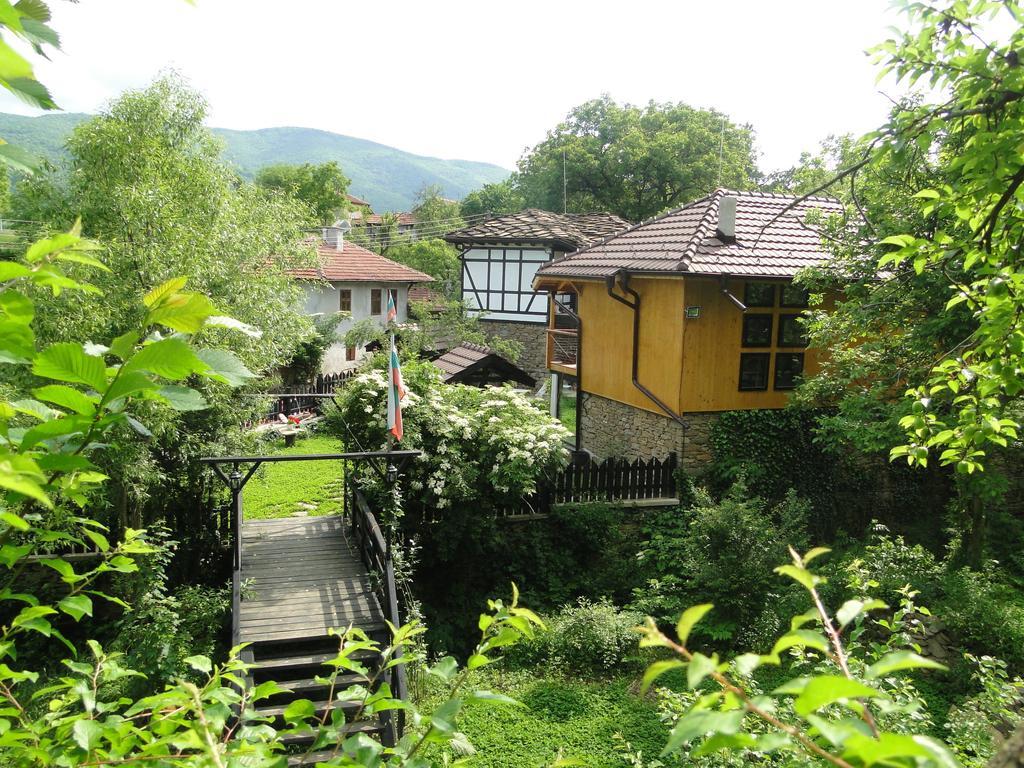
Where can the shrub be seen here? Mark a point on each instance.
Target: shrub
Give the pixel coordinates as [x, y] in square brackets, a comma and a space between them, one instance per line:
[722, 551]
[587, 635]
[985, 614]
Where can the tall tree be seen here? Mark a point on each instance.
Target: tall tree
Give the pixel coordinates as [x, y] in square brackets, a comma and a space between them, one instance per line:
[146, 178]
[494, 199]
[323, 188]
[636, 161]
[436, 214]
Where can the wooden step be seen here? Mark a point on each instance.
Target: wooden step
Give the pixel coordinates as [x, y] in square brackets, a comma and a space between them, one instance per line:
[320, 707]
[369, 727]
[309, 688]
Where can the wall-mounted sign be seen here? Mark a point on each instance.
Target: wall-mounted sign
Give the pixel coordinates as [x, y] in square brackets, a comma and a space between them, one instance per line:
[692, 313]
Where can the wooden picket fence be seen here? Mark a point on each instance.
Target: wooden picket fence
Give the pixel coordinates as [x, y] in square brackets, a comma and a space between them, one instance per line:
[610, 480]
[307, 398]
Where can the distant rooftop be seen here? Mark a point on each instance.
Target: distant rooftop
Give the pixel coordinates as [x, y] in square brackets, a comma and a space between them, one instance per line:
[566, 231]
[355, 264]
[768, 242]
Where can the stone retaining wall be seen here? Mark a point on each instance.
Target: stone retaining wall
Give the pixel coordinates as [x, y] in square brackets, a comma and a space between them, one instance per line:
[609, 428]
[533, 337]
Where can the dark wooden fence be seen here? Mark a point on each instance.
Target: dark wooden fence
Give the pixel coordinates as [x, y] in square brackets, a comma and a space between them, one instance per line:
[609, 480]
[306, 398]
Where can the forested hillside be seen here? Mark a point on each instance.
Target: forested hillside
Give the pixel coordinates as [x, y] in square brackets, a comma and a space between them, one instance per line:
[389, 178]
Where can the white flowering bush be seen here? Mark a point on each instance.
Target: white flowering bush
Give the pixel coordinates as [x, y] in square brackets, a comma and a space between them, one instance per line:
[490, 446]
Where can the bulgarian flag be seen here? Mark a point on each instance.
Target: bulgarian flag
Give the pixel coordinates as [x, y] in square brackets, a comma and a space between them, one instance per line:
[392, 310]
[396, 388]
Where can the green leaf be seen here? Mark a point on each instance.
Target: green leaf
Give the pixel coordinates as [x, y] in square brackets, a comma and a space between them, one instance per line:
[799, 575]
[299, 711]
[657, 669]
[700, 666]
[493, 698]
[851, 609]
[823, 690]
[689, 619]
[163, 291]
[800, 638]
[66, 397]
[816, 552]
[76, 606]
[48, 430]
[169, 358]
[200, 664]
[185, 312]
[698, 723]
[183, 398]
[477, 660]
[129, 384]
[224, 366]
[87, 734]
[16, 307]
[443, 719]
[17, 342]
[900, 660]
[445, 669]
[67, 361]
[887, 749]
[12, 270]
[14, 521]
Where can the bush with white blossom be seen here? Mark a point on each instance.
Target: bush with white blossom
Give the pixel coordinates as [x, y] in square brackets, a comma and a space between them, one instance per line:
[488, 445]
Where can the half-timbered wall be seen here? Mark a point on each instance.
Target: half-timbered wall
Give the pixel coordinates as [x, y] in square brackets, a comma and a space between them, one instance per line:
[497, 282]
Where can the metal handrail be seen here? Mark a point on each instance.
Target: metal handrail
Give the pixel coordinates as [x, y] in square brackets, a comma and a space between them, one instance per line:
[375, 549]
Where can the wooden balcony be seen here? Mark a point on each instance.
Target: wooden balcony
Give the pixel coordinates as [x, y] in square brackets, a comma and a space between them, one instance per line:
[563, 350]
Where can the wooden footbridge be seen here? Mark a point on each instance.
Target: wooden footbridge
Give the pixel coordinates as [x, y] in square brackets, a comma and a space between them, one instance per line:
[295, 579]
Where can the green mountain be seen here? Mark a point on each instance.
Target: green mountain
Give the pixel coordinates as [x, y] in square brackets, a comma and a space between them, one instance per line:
[387, 177]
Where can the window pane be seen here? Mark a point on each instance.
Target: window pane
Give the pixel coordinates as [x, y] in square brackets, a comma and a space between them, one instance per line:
[791, 331]
[345, 300]
[375, 301]
[754, 370]
[757, 330]
[759, 294]
[788, 368]
[793, 296]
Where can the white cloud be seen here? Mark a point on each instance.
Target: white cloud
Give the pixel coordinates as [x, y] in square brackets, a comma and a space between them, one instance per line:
[478, 80]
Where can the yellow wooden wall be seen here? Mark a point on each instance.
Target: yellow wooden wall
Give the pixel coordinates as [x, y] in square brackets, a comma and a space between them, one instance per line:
[692, 365]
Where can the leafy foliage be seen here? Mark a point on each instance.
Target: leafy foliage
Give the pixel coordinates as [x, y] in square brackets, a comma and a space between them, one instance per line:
[323, 188]
[635, 161]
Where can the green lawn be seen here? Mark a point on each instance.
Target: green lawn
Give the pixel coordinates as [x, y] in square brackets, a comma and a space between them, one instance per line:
[567, 412]
[297, 487]
[560, 717]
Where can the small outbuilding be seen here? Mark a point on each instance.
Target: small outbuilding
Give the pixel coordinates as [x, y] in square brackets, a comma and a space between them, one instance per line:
[480, 366]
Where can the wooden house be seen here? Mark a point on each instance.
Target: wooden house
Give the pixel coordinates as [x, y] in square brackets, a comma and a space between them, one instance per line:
[353, 280]
[500, 257]
[679, 318]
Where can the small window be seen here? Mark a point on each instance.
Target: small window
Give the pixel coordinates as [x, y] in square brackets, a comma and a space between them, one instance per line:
[345, 300]
[350, 353]
[789, 366]
[791, 331]
[759, 294]
[754, 370]
[757, 330]
[375, 301]
[793, 296]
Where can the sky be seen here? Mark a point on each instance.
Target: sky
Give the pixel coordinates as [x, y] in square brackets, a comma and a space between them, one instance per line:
[481, 80]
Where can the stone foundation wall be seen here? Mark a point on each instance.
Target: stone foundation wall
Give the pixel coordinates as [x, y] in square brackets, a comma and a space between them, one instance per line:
[609, 428]
[533, 337]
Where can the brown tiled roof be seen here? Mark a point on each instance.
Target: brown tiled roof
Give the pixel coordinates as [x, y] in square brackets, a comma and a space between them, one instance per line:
[357, 200]
[467, 358]
[568, 230]
[357, 264]
[427, 294]
[683, 241]
[404, 219]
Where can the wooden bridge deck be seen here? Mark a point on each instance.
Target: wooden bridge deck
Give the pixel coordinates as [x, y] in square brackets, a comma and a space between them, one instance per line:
[300, 578]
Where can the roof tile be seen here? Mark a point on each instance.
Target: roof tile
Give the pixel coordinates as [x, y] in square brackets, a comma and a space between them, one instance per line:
[571, 230]
[357, 264]
[771, 241]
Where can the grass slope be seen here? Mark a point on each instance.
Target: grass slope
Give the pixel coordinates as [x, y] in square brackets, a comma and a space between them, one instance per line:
[312, 487]
[387, 177]
[560, 718]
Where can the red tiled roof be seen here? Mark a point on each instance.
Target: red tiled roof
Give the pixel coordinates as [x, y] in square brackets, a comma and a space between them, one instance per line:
[357, 264]
[569, 230]
[683, 241]
[357, 200]
[425, 293]
[404, 219]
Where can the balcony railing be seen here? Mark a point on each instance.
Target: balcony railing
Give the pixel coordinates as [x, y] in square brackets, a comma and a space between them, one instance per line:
[563, 347]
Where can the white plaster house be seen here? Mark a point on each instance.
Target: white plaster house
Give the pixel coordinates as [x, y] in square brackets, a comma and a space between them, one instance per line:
[354, 280]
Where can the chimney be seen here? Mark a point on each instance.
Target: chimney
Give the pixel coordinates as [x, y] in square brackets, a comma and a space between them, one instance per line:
[333, 237]
[726, 219]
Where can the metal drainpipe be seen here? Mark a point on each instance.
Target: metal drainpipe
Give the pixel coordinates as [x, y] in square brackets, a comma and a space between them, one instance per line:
[622, 276]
